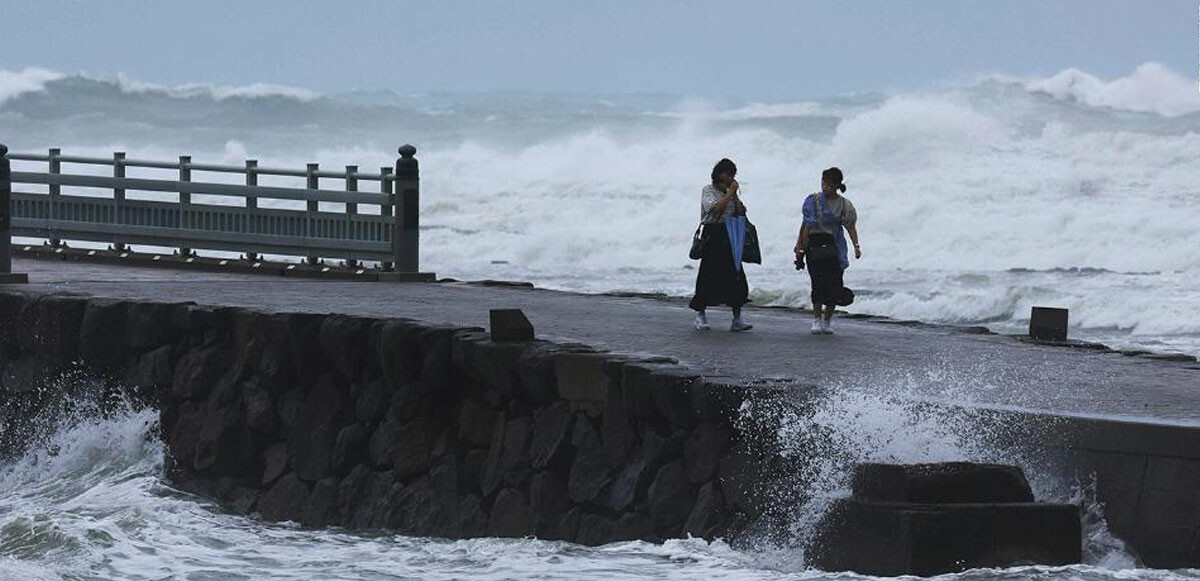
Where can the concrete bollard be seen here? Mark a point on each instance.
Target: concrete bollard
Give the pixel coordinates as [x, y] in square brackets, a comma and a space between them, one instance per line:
[1048, 324]
[510, 325]
[6, 273]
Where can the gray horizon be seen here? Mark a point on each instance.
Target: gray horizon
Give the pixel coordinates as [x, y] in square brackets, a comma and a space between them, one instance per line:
[771, 49]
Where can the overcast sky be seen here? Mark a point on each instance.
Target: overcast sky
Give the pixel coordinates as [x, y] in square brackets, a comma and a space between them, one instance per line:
[760, 48]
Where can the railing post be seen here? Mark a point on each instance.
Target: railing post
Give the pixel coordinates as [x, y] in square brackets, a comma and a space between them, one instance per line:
[310, 223]
[55, 190]
[406, 236]
[251, 205]
[6, 273]
[185, 199]
[351, 210]
[385, 188]
[118, 196]
[5, 213]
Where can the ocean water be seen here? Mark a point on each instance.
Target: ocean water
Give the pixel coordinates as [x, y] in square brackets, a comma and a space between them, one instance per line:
[978, 199]
[87, 501]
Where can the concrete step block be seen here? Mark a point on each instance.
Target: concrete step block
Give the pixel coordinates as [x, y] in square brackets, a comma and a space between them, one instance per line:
[948, 482]
[888, 539]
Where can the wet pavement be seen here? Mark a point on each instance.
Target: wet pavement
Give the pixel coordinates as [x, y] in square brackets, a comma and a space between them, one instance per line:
[930, 363]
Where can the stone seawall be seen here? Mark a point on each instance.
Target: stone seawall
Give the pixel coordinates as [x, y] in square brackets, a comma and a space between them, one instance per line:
[390, 423]
[436, 430]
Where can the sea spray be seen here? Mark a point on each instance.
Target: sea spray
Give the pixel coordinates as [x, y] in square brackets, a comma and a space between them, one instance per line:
[820, 435]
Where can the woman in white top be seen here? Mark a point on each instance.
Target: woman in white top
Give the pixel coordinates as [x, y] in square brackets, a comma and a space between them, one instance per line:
[720, 281]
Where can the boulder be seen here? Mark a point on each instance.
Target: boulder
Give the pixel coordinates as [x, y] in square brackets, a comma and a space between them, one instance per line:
[223, 443]
[412, 453]
[514, 460]
[490, 478]
[316, 426]
[350, 493]
[551, 435]
[399, 352]
[473, 466]
[618, 433]
[146, 325]
[702, 451]
[511, 515]
[548, 493]
[321, 509]
[469, 519]
[671, 498]
[102, 338]
[349, 449]
[344, 342]
[628, 486]
[372, 402]
[708, 515]
[590, 471]
[284, 500]
[260, 409]
[152, 370]
[198, 371]
[634, 527]
[476, 423]
[275, 462]
[595, 530]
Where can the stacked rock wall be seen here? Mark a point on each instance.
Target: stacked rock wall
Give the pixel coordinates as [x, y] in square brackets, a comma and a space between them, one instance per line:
[427, 430]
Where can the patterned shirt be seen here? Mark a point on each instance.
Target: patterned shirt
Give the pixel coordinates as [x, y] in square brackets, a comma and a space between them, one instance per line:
[708, 198]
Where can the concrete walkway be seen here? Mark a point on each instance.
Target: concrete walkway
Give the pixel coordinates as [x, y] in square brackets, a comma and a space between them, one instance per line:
[938, 364]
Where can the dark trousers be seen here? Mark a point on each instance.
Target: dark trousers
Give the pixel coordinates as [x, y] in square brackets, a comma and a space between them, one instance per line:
[826, 276]
[719, 282]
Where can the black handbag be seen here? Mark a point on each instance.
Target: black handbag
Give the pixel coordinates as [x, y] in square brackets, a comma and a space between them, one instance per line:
[751, 253]
[699, 241]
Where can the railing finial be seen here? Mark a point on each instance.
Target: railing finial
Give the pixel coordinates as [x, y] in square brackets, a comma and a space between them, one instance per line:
[407, 150]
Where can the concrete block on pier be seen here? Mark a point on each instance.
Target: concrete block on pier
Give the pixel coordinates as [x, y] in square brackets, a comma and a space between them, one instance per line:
[1048, 324]
[510, 325]
[944, 483]
[883, 531]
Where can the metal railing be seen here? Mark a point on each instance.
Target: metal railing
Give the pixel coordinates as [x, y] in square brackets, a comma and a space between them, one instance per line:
[389, 236]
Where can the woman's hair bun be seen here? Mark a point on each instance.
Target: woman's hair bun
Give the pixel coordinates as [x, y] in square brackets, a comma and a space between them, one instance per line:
[833, 175]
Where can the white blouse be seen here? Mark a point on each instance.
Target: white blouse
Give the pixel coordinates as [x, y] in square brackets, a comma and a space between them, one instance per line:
[708, 198]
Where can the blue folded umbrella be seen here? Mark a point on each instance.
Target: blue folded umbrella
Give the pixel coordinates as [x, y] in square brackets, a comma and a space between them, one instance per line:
[736, 227]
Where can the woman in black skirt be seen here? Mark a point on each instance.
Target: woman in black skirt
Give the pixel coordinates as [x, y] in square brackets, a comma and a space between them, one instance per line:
[720, 281]
[826, 214]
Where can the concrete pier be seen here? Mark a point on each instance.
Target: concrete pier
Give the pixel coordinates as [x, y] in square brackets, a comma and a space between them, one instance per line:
[1131, 421]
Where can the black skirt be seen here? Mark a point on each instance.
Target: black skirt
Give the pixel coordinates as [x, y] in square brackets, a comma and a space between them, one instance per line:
[718, 282]
[826, 278]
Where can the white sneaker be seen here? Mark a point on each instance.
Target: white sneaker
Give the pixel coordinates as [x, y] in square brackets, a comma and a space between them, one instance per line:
[701, 322]
[826, 327]
[740, 325]
[817, 329]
